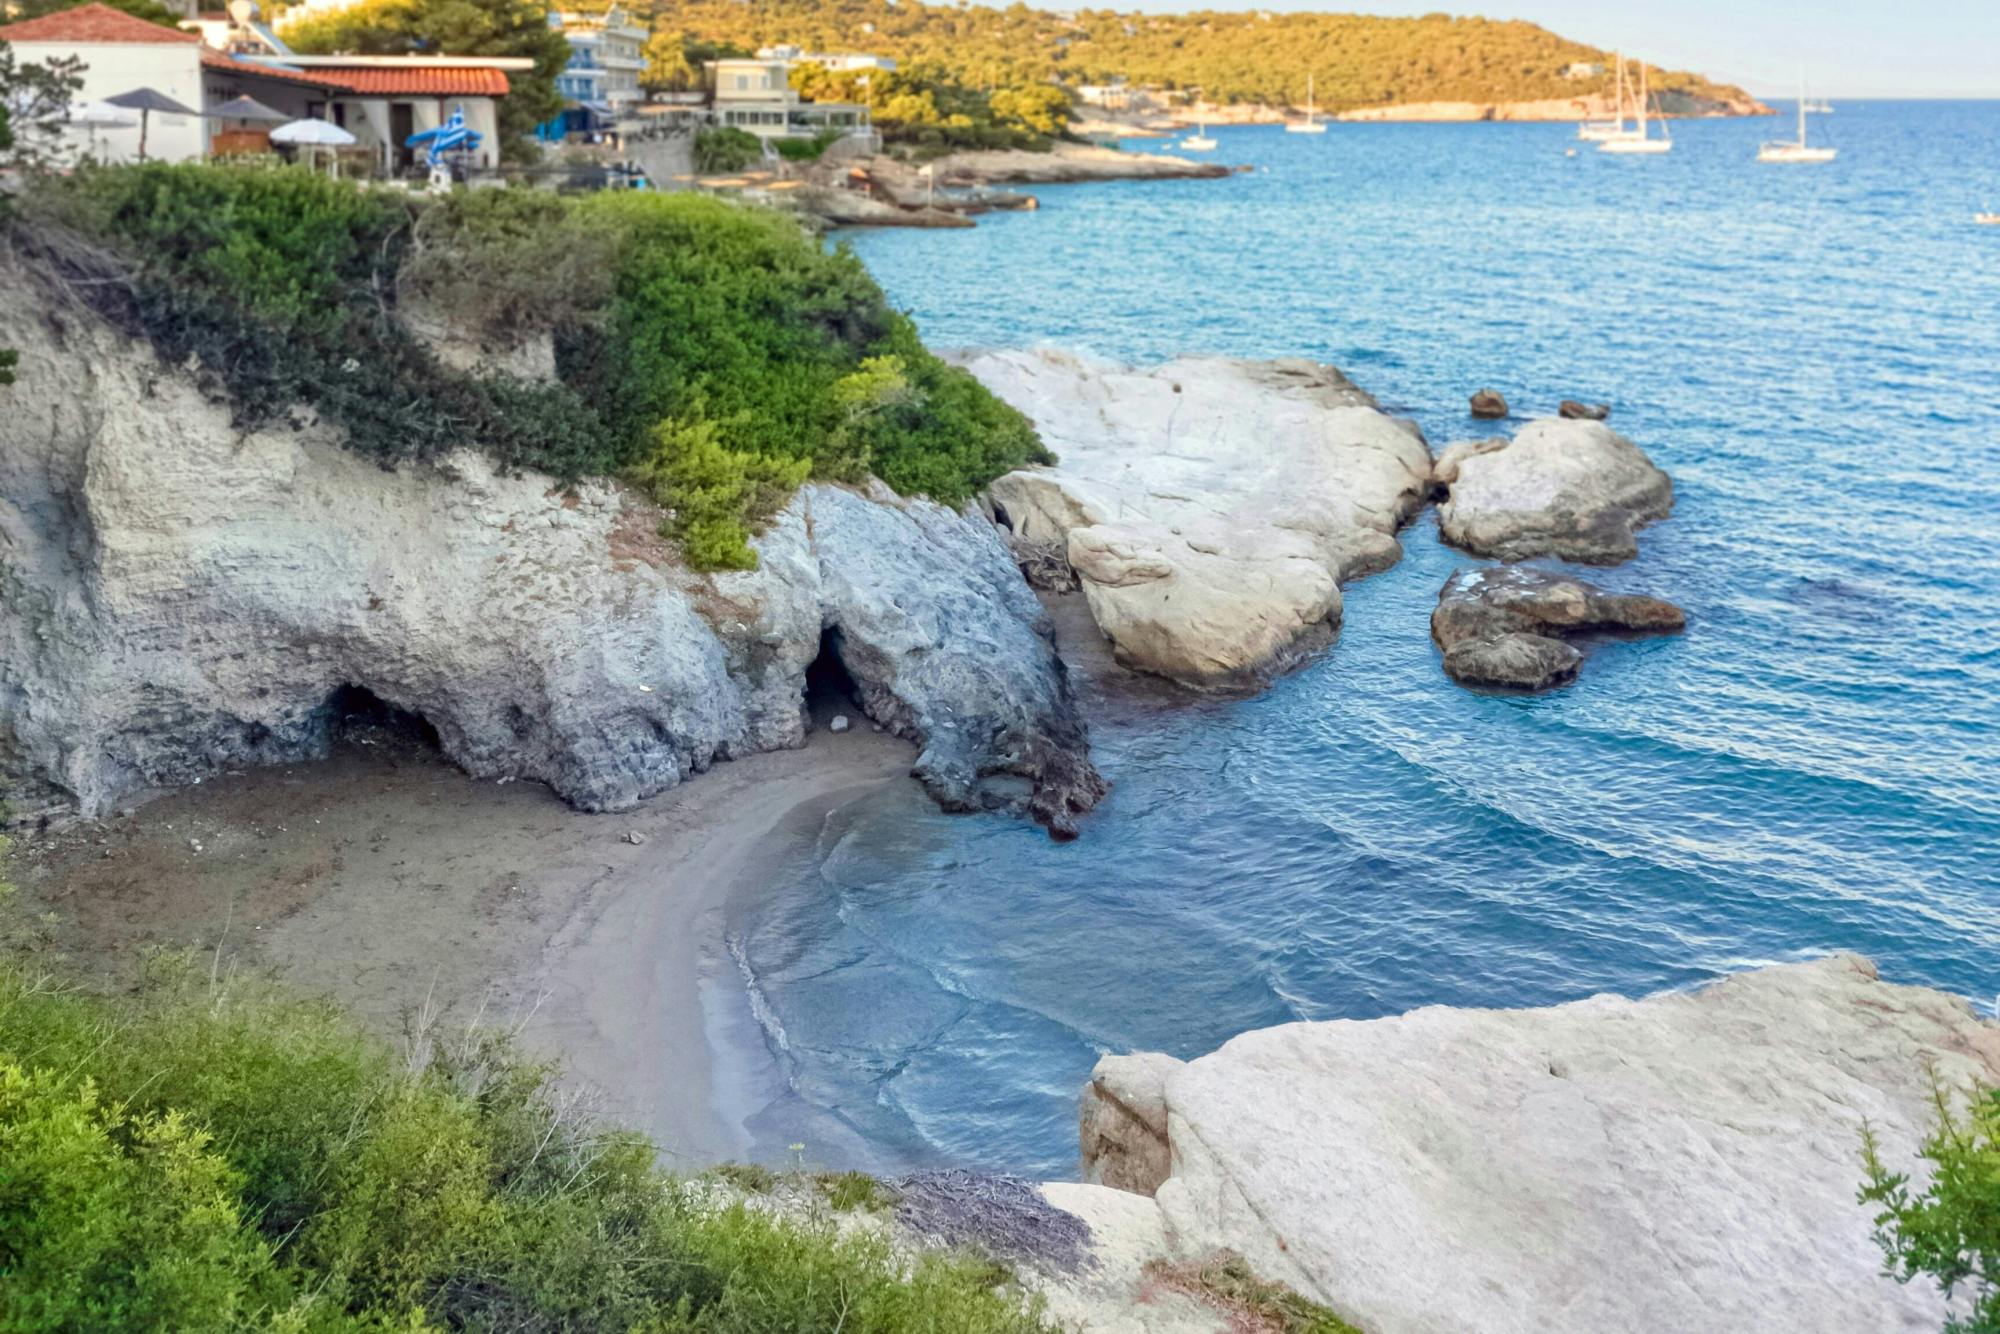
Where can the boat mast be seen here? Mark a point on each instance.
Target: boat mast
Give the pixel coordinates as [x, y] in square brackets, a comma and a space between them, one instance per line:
[1645, 98]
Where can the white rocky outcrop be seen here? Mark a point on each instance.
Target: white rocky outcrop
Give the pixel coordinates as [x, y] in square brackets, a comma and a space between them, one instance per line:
[178, 596]
[1684, 1162]
[1210, 508]
[1574, 489]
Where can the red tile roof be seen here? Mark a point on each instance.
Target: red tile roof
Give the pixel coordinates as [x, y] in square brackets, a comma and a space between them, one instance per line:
[93, 23]
[406, 81]
[231, 65]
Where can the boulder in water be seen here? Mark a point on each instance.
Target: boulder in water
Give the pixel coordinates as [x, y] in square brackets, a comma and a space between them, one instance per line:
[1488, 405]
[1684, 1162]
[1573, 489]
[1508, 626]
[1571, 410]
[1209, 508]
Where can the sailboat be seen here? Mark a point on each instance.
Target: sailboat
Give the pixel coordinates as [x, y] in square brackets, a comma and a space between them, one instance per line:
[1198, 142]
[1311, 124]
[1600, 130]
[1797, 151]
[1637, 141]
[1819, 106]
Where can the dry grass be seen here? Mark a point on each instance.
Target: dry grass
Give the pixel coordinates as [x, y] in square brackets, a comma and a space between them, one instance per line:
[1251, 1304]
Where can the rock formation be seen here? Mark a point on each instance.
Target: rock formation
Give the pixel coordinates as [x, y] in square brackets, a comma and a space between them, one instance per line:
[1683, 1162]
[1571, 410]
[181, 597]
[1489, 405]
[1507, 626]
[1574, 489]
[1210, 508]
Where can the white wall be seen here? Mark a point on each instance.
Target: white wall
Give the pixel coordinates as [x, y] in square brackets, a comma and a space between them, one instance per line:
[110, 68]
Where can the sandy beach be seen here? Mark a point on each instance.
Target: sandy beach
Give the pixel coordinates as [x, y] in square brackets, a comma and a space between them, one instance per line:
[389, 881]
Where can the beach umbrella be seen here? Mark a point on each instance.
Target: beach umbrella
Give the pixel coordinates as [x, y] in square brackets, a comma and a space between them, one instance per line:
[247, 109]
[146, 101]
[95, 116]
[312, 133]
[452, 134]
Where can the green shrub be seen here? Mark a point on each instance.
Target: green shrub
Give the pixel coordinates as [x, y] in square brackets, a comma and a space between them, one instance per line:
[1950, 1232]
[721, 149]
[216, 1157]
[718, 354]
[806, 150]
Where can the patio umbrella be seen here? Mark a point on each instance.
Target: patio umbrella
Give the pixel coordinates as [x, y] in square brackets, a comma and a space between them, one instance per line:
[312, 132]
[247, 109]
[95, 116]
[146, 101]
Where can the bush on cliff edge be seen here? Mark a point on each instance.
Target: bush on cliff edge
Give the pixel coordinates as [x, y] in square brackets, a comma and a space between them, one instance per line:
[1948, 1232]
[717, 354]
[223, 1156]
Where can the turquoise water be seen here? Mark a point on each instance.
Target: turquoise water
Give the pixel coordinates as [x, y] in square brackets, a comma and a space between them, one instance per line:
[1813, 353]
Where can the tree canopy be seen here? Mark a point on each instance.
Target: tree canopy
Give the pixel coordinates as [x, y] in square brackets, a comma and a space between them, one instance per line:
[1251, 56]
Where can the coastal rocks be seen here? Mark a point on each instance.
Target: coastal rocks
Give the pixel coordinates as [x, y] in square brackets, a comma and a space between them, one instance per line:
[182, 598]
[1488, 405]
[1063, 164]
[1210, 508]
[1573, 489]
[1507, 626]
[1571, 410]
[1688, 1161]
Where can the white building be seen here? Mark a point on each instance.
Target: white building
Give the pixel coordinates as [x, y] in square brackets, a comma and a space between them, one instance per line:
[607, 54]
[839, 62]
[381, 100]
[757, 96]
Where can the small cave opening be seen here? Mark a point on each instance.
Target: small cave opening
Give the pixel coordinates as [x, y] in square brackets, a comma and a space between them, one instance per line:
[830, 691]
[357, 716]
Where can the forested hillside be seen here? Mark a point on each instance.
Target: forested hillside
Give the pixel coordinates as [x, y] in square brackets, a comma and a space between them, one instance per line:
[1256, 56]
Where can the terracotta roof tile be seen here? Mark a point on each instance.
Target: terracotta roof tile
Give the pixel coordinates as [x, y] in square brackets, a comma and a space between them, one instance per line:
[376, 81]
[93, 23]
[218, 60]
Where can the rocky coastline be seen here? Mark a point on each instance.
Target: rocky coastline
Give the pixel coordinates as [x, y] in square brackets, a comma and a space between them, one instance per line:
[185, 598]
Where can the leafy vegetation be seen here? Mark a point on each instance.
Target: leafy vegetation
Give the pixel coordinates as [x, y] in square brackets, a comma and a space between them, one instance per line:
[224, 1156]
[721, 149]
[926, 104]
[715, 354]
[1252, 1305]
[1254, 56]
[150, 10]
[1950, 1231]
[460, 28]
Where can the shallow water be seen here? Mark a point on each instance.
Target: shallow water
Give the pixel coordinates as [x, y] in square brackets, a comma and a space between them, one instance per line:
[1813, 353]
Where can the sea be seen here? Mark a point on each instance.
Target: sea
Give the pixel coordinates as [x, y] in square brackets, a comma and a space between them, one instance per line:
[1813, 353]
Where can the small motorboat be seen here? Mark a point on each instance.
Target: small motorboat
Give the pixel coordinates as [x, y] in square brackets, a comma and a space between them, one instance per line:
[1987, 219]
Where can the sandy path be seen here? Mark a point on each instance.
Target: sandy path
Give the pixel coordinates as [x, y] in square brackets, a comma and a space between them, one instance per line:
[388, 880]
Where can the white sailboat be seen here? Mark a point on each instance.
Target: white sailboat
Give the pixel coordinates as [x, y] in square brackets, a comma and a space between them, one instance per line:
[1310, 125]
[1799, 150]
[1600, 130]
[1199, 142]
[1819, 106]
[1639, 141]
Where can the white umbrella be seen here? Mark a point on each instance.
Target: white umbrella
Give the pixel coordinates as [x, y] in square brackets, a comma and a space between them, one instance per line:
[312, 133]
[95, 116]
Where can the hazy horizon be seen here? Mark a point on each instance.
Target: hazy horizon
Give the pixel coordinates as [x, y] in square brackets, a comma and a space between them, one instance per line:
[1941, 49]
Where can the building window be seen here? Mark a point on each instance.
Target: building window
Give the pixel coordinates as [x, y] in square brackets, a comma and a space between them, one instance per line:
[743, 83]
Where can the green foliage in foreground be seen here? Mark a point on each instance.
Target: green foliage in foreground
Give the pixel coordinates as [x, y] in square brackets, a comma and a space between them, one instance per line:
[1950, 1231]
[225, 1156]
[716, 354]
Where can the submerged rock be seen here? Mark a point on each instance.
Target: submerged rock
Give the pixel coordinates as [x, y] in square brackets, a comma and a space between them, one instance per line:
[1488, 405]
[1506, 626]
[181, 597]
[1684, 1162]
[1209, 508]
[1574, 489]
[1571, 410]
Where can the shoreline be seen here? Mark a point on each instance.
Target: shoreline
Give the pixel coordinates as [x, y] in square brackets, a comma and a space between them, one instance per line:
[391, 883]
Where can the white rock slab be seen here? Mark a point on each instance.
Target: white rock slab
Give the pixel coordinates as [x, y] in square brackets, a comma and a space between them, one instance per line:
[1685, 1162]
[1210, 507]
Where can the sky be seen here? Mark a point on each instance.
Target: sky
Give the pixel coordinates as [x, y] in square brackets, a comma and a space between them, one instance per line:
[1849, 48]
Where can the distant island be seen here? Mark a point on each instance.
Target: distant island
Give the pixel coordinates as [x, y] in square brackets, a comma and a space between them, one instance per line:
[1247, 60]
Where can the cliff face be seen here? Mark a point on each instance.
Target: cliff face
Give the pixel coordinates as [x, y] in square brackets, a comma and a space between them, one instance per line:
[181, 597]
